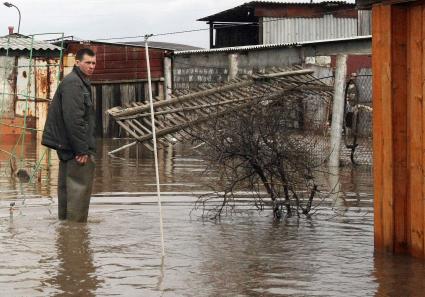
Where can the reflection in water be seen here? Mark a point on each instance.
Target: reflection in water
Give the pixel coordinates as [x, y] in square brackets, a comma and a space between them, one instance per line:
[335, 189]
[118, 252]
[399, 276]
[76, 274]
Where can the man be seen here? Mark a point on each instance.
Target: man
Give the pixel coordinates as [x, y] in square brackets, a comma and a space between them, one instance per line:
[70, 130]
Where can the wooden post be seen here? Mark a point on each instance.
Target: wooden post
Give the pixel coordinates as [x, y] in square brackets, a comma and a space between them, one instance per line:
[338, 110]
[398, 127]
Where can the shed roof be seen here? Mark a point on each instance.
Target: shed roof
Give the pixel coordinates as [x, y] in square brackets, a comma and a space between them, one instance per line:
[270, 46]
[152, 44]
[166, 45]
[247, 11]
[21, 42]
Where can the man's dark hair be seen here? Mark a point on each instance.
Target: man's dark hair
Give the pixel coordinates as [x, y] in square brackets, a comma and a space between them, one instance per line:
[84, 51]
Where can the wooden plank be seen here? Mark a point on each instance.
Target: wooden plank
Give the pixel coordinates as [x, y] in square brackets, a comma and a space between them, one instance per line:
[414, 128]
[399, 117]
[423, 129]
[378, 44]
[171, 111]
[200, 120]
[135, 128]
[183, 98]
[387, 145]
[106, 104]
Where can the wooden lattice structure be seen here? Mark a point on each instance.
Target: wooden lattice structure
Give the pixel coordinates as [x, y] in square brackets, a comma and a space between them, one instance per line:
[196, 107]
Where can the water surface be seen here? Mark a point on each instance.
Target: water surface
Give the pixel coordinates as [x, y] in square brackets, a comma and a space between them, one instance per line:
[118, 252]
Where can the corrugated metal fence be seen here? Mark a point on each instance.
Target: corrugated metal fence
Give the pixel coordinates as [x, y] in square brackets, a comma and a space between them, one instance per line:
[292, 30]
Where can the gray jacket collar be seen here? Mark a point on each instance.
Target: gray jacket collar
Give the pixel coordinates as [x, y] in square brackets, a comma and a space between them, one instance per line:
[82, 76]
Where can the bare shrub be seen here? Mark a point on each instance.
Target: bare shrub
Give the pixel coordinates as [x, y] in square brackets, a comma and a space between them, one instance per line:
[274, 146]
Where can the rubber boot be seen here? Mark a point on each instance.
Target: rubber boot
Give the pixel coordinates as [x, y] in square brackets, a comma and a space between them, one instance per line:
[79, 182]
[62, 191]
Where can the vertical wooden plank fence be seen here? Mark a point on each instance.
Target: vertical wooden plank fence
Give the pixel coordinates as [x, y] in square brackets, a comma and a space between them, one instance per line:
[398, 127]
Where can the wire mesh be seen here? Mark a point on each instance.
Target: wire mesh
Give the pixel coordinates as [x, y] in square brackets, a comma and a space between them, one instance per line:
[357, 130]
[27, 83]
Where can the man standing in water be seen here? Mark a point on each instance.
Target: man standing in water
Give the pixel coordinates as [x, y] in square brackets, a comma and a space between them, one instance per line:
[70, 130]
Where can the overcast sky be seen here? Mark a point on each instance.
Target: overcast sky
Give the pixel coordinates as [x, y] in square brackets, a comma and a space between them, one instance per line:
[95, 19]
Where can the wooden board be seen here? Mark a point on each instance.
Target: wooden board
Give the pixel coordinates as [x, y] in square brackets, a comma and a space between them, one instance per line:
[378, 43]
[399, 128]
[399, 106]
[414, 127]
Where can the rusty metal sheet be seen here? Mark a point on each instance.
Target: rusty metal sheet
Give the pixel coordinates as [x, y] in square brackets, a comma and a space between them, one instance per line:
[25, 73]
[54, 69]
[41, 77]
[41, 110]
[46, 81]
[68, 63]
[25, 88]
[23, 107]
[7, 86]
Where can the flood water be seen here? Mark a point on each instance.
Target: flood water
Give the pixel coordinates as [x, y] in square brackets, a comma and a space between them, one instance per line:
[118, 252]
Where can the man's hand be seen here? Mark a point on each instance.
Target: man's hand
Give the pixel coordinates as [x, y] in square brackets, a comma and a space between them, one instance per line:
[82, 159]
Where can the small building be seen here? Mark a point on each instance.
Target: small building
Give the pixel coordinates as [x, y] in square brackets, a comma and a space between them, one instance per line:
[197, 69]
[29, 75]
[271, 22]
[193, 68]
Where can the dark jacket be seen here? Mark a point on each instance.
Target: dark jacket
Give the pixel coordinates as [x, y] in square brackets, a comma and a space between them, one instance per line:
[70, 124]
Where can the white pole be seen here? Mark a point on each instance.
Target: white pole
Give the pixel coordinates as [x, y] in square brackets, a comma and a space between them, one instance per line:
[336, 130]
[155, 151]
[168, 77]
[233, 60]
[338, 110]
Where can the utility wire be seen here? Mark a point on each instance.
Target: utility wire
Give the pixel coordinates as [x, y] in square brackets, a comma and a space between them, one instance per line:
[255, 24]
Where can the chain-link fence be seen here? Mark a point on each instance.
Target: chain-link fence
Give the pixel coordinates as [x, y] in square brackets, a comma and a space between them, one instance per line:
[357, 132]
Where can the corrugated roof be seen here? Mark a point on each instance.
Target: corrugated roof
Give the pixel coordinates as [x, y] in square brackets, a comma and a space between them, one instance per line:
[266, 46]
[21, 42]
[245, 12]
[301, 3]
[166, 45]
[152, 44]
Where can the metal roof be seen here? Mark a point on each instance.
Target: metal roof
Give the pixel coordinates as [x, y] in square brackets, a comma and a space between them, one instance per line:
[22, 42]
[152, 44]
[269, 46]
[166, 45]
[246, 11]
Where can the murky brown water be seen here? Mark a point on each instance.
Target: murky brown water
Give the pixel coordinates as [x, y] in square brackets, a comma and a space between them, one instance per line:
[118, 252]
